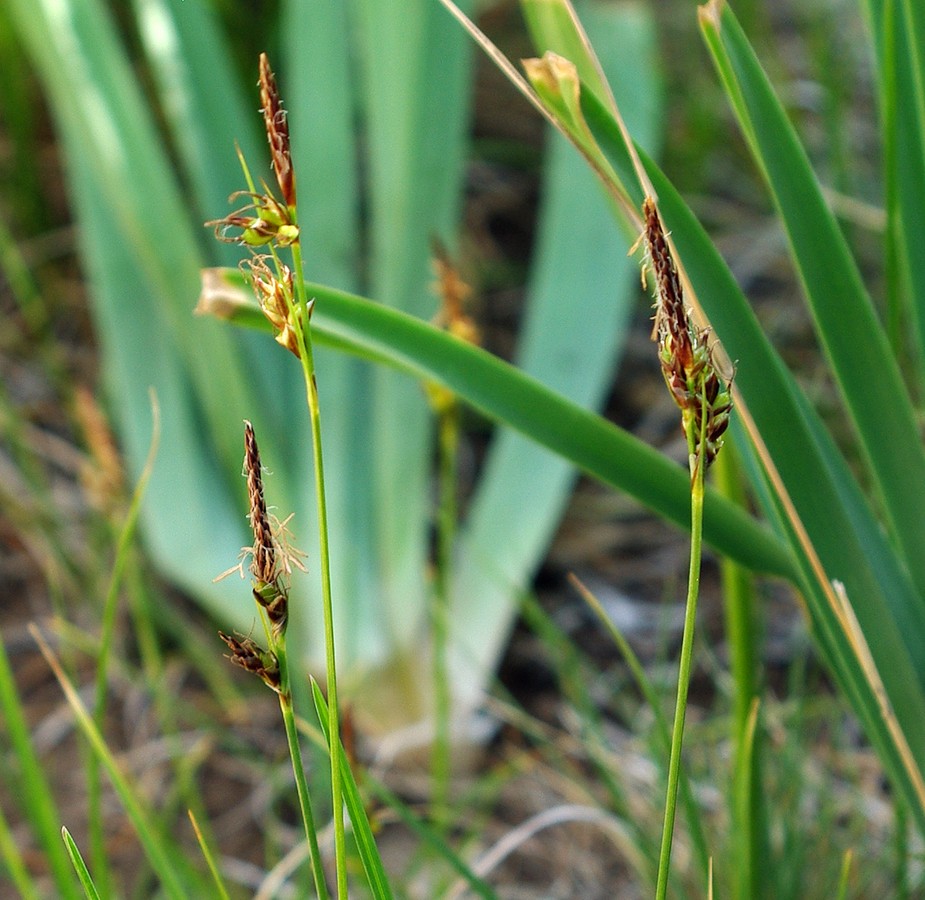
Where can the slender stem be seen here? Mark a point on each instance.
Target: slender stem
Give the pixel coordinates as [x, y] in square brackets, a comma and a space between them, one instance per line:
[684, 673]
[311, 388]
[752, 841]
[298, 770]
[738, 602]
[446, 529]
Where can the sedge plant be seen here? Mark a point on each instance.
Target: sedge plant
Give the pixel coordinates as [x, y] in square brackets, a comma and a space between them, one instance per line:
[271, 223]
[869, 631]
[703, 395]
[820, 522]
[147, 107]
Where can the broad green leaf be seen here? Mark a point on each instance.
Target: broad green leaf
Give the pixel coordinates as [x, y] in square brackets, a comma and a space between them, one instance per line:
[204, 107]
[320, 84]
[897, 33]
[189, 499]
[505, 394]
[414, 68]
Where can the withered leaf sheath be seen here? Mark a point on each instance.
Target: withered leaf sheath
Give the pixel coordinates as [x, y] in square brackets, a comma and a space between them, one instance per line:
[685, 354]
[270, 589]
[274, 117]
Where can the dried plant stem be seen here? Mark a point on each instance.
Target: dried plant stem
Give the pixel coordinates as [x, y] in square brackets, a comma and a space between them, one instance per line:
[303, 334]
[684, 665]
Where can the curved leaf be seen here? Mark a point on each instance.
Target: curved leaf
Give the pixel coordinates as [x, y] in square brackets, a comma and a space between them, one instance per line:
[505, 394]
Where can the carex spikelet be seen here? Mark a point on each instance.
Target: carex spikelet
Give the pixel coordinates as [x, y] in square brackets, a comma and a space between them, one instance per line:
[685, 352]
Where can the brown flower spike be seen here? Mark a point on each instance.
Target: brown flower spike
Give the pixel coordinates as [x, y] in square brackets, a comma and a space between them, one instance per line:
[274, 117]
[685, 354]
[270, 590]
[452, 317]
[272, 559]
[266, 219]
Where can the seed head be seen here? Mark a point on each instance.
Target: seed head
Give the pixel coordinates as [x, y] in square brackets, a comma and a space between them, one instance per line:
[267, 562]
[262, 221]
[274, 118]
[263, 566]
[275, 293]
[453, 293]
[684, 350]
[249, 655]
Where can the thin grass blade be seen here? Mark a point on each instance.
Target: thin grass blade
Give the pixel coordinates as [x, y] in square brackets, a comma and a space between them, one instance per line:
[37, 800]
[161, 857]
[852, 337]
[80, 867]
[209, 857]
[431, 837]
[376, 876]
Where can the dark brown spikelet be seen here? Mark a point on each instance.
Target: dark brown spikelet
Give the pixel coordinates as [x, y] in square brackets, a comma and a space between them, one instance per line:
[249, 655]
[264, 563]
[270, 590]
[274, 117]
[672, 322]
[685, 354]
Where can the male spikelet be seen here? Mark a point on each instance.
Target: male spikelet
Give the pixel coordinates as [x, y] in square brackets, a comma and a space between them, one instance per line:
[270, 590]
[272, 559]
[269, 222]
[685, 353]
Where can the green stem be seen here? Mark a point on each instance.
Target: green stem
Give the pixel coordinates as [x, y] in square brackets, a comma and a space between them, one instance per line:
[684, 673]
[308, 368]
[298, 770]
[738, 602]
[743, 637]
[446, 531]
